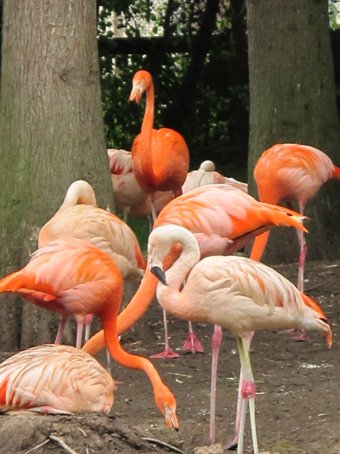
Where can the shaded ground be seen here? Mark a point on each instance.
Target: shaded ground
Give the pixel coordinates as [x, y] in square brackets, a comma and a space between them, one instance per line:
[297, 402]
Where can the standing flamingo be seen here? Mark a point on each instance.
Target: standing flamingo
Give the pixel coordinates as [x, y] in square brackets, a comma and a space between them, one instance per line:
[71, 276]
[160, 157]
[55, 379]
[233, 292]
[291, 172]
[223, 220]
[79, 217]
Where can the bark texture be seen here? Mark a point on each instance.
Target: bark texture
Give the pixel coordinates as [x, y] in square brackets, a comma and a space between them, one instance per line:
[293, 99]
[51, 133]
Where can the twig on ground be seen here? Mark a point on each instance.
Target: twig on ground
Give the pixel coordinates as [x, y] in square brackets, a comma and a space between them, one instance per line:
[82, 431]
[38, 446]
[62, 444]
[318, 285]
[163, 443]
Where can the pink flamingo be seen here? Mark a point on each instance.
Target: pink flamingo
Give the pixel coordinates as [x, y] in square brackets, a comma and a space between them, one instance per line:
[233, 292]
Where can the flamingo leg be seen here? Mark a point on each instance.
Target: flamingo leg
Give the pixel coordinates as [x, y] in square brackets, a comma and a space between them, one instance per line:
[88, 321]
[167, 352]
[216, 340]
[80, 325]
[232, 444]
[248, 393]
[61, 328]
[192, 344]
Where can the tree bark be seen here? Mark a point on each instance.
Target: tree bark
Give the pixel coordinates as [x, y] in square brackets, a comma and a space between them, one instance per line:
[51, 133]
[293, 99]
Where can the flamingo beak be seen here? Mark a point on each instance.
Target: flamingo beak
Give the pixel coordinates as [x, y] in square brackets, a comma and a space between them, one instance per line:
[136, 92]
[159, 273]
[171, 418]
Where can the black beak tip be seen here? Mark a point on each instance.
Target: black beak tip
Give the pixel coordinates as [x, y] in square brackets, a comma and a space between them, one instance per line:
[159, 273]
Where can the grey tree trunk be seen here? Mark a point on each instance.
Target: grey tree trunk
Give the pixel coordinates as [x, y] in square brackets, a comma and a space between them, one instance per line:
[292, 99]
[51, 133]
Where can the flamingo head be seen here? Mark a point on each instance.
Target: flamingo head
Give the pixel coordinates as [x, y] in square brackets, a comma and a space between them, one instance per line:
[141, 81]
[166, 402]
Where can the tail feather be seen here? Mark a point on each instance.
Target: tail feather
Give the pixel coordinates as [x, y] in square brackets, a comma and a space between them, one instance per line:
[11, 283]
[336, 173]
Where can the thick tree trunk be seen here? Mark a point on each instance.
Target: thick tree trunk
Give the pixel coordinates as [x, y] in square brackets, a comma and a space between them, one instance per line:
[51, 133]
[292, 99]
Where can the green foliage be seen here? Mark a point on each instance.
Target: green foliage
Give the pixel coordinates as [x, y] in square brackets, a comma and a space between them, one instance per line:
[217, 125]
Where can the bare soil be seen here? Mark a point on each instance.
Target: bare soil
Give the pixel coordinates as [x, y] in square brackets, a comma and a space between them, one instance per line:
[297, 402]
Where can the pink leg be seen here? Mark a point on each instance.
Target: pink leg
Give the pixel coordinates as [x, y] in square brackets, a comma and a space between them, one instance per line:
[88, 321]
[232, 444]
[80, 325]
[61, 327]
[216, 340]
[192, 344]
[167, 352]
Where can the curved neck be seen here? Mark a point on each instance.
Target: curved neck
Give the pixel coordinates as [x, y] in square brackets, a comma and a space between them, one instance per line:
[128, 360]
[170, 296]
[130, 315]
[80, 192]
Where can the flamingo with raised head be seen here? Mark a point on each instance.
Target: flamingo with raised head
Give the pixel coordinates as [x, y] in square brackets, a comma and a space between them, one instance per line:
[290, 172]
[234, 292]
[55, 379]
[79, 217]
[72, 276]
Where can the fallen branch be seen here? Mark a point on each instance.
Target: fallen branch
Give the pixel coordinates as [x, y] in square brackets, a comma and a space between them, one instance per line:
[164, 444]
[62, 444]
[38, 446]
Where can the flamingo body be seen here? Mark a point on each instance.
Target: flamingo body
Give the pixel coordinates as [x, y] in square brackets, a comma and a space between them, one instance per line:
[55, 379]
[292, 172]
[74, 277]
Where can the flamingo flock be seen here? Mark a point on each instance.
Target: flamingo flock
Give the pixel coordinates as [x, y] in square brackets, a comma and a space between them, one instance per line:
[199, 219]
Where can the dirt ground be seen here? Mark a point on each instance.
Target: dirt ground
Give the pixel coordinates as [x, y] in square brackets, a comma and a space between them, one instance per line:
[297, 401]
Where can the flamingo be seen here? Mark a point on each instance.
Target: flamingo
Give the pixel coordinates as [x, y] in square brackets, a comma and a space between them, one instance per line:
[79, 217]
[72, 276]
[291, 172]
[234, 292]
[160, 157]
[128, 195]
[223, 220]
[206, 174]
[55, 379]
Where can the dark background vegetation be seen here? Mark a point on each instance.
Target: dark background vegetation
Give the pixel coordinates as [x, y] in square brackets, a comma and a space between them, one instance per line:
[200, 70]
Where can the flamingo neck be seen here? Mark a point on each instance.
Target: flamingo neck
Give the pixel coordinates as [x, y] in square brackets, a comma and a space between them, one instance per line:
[130, 315]
[128, 360]
[80, 192]
[146, 132]
[170, 295]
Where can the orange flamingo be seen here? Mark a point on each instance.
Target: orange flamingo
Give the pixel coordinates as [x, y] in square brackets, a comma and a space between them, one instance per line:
[236, 293]
[223, 220]
[160, 157]
[79, 217]
[71, 276]
[291, 172]
[55, 379]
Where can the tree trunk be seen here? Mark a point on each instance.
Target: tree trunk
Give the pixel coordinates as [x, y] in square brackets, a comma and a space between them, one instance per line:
[51, 133]
[292, 99]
